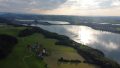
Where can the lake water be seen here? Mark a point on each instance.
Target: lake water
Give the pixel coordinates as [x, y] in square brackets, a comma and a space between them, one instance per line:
[107, 42]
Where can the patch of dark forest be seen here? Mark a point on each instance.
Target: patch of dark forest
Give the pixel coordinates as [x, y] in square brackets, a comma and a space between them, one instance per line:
[7, 44]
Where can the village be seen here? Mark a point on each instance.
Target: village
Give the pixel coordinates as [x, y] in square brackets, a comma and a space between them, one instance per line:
[38, 50]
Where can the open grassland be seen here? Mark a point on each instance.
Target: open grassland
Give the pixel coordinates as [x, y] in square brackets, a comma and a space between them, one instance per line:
[16, 58]
[22, 58]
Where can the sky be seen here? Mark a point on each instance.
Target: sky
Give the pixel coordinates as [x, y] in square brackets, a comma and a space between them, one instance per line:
[63, 7]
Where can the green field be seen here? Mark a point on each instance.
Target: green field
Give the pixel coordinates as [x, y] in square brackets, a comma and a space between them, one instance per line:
[22, 58]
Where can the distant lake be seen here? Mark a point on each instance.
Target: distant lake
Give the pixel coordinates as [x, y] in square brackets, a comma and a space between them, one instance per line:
[107, 42]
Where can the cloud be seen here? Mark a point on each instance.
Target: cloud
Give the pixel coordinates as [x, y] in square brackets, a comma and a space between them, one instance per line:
[66, 7]
[27, 5]
[110, 3]
[91, 4]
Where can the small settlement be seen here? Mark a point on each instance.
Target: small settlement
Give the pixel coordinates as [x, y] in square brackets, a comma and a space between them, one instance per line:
[38, 50]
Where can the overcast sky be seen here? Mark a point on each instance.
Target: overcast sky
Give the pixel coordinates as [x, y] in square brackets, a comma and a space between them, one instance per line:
[63, 7]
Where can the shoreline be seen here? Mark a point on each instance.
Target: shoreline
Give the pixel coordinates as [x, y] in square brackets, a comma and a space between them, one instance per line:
[103, 27]
[92, 55]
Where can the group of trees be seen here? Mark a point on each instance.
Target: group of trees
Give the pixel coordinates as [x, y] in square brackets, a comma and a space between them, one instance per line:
[7, 44]
[47, 34]
[68, 61]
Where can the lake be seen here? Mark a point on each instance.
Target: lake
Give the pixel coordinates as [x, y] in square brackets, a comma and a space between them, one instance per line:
[107, 42]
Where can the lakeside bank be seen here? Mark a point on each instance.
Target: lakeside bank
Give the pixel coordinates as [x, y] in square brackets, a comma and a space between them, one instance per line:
[92, 56]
